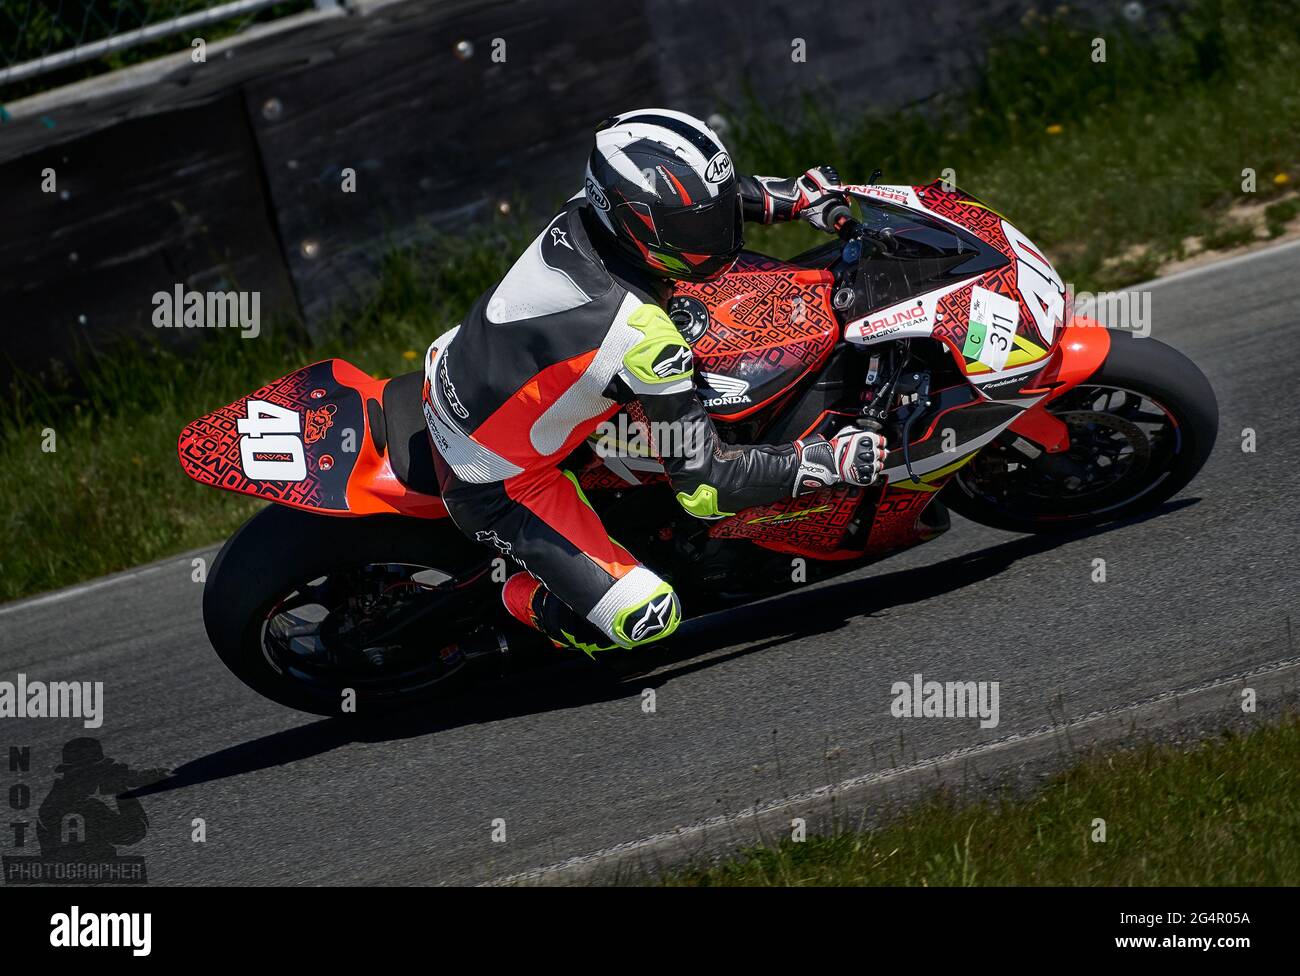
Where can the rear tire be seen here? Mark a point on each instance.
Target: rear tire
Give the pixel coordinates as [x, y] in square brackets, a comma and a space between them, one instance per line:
[282, 550]
[1158, 464]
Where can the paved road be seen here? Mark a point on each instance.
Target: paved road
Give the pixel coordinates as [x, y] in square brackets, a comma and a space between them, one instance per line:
[777, 699]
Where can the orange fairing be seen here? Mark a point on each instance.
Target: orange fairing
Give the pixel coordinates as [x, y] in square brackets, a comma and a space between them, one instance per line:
[373, 488]
[770, 324]
[304, 441]
[1083, 348]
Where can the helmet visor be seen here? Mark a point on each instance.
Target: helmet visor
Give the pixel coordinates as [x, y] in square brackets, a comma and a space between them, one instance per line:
[712, 228]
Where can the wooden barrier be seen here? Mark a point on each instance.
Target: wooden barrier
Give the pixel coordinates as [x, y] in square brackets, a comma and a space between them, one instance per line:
[228, 174]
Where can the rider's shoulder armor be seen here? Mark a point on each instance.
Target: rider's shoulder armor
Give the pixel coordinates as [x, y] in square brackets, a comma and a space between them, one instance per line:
[559, 272]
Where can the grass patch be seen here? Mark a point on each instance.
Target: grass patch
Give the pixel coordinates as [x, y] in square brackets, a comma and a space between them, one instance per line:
[1092, 160]
[1228, 235]
[1107, 166]
[1224, 813]
[112, 494]
[1279, 214]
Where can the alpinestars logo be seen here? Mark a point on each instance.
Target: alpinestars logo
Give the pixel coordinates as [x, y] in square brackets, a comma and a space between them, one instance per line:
[722, 390]
[658, 614]
[558, 236]
[677, 363]
[489, 537]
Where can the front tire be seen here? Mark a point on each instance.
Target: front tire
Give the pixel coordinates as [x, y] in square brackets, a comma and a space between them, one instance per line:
[1141, 427]
[307, 608]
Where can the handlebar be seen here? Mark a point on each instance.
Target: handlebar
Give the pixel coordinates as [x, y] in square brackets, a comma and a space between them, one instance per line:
[841, 218]
[848, 228]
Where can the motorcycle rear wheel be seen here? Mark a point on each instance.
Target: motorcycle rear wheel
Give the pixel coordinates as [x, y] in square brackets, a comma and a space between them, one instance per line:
[1141, 427]
[345, 616]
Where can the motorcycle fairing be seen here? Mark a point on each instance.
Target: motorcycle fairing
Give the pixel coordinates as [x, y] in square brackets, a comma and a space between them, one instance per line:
[768, 323]
[328, 446]
[727, 322]
[913, 318]
[1018, 274]
[826, 525]
[973, 424]
[816, 525]
[898, 522]
[755, 332]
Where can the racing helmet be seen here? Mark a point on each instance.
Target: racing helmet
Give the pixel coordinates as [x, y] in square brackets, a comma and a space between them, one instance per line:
[663, 185]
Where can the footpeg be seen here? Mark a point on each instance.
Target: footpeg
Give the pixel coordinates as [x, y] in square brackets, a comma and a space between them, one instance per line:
[485, 649]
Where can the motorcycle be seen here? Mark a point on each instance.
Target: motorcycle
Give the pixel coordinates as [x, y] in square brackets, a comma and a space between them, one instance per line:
[931, 319]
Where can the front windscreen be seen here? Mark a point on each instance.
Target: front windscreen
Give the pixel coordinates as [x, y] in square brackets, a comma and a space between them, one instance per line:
[920, 254]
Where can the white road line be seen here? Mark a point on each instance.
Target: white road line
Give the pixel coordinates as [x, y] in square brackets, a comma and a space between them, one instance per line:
[60, 595]
[1215, 265]
[871, 779]
[76, 590]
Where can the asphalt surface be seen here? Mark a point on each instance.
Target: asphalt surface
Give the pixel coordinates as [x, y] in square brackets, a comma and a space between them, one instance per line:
[784, 697]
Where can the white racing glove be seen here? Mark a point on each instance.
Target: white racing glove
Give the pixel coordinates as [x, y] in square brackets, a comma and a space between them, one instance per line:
[852, 456]
[810, 197]
[819, 192]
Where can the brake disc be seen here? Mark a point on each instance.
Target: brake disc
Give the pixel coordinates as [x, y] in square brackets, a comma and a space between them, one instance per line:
[1083, 426]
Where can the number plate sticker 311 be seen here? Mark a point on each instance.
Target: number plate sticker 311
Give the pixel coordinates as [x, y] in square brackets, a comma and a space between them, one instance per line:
[992, 332]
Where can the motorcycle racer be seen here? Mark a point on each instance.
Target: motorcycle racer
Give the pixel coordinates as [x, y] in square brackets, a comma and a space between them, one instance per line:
[576, 329]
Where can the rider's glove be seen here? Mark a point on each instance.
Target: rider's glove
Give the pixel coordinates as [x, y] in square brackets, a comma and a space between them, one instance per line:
[818, 194]
[854, 456]
[770, 199]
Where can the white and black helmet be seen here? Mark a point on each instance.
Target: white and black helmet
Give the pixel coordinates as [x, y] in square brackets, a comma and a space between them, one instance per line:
[664, 186]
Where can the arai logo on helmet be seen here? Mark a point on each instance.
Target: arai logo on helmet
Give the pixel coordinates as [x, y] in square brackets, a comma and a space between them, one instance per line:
[719, 168]
[596, 195]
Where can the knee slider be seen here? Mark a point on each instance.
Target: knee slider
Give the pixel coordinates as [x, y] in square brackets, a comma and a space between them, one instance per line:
[648, 620]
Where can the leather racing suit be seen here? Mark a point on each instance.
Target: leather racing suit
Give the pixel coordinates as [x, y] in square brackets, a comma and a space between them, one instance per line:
[570, 334]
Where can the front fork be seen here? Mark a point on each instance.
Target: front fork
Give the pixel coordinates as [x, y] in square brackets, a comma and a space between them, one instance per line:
[1084, 346]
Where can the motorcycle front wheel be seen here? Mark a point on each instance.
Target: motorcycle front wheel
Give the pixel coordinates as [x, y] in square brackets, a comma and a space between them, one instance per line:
[1140, 428]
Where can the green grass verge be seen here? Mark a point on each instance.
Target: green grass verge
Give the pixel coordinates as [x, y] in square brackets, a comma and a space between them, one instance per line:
[1109, 167]
[112, 494]
[1150, 149]
[1280, 214]
[1225, 813]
